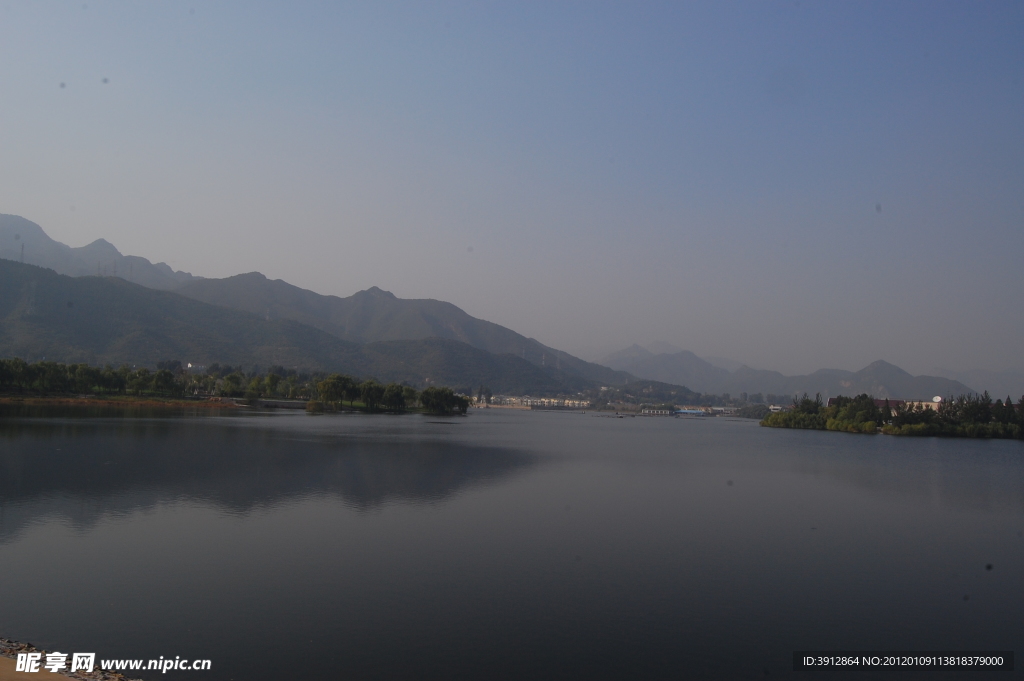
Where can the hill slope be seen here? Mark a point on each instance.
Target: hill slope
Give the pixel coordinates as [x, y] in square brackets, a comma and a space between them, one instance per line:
[376, 315]
[680, 368]
[22, 238]
[366, 317]
[103, 320]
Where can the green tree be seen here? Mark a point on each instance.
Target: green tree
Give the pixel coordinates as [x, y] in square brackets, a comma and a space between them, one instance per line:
[334, 388]
[443, 401]
[270, 383]
[393, 397]
[255, 388]
[140, 381]
[353, 391]
[857, 414]
[371, 393]
[232, 384]
[87, 378]
[808, 406]
[163, 382]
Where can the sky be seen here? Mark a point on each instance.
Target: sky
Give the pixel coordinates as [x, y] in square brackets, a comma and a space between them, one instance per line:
[794, 185]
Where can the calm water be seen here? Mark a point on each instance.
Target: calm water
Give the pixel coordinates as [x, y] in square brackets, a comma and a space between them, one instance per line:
[502, 545]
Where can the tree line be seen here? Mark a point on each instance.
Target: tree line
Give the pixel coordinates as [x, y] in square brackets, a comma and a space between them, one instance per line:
[374, 396]
[52, 378]
[964, 416]
[171, 380]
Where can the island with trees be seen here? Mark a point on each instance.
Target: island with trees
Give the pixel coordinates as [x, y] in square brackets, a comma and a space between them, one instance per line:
[970, 415]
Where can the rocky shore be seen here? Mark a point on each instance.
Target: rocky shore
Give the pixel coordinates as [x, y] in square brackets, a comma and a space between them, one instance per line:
[10, 649]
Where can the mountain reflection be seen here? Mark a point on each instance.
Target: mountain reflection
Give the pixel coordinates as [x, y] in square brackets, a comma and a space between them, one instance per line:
[82, 469]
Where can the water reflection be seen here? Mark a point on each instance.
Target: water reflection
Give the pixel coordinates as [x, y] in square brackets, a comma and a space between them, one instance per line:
[975, 475]
[342, 546]
[84, 469]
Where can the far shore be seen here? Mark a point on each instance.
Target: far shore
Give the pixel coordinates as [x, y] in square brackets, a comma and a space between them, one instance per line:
[125, 401]
[500, 406]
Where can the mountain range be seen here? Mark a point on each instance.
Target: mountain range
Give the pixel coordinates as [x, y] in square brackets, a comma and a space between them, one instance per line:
[880, 378]
[96, 305]
[376, 315]
[251, 320]
[100, 320]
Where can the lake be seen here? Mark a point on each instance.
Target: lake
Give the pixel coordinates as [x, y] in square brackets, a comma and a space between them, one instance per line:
[505, 544]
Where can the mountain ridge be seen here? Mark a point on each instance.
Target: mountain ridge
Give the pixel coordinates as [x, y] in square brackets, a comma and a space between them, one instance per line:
[879, 378]
[365, 317]
[107, 320]
[377, 315]
[23, 239]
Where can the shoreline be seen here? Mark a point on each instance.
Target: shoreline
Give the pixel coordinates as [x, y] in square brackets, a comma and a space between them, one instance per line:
[119, 401]
[985, 432]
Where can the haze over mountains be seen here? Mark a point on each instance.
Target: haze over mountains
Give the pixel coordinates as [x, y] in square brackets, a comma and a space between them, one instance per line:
[998, 383]
[376, 315]
[22, 240]
[252, 320]
[880, 378]
[100, 320]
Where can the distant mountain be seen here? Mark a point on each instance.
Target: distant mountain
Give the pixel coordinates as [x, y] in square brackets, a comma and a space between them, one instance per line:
[366, 317]
[377, 315]
[442, 361]
[880, 379]
[24, 241]
[634, 354]
[680, 368]
[729, 365]
[99, 320]
[249, 319]
[106, 319]
[662, 348]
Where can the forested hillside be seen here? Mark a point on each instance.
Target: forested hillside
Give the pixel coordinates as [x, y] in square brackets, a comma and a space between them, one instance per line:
[107, 320]
[376, 315]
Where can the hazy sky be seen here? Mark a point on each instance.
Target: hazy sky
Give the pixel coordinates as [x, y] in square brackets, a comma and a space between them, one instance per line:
[794, 185]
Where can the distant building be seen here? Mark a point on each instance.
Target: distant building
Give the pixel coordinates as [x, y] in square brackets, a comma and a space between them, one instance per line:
[932, 404]
[527, 402]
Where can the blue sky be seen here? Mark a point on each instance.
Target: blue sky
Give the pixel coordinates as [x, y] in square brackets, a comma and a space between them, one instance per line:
[794, 185]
